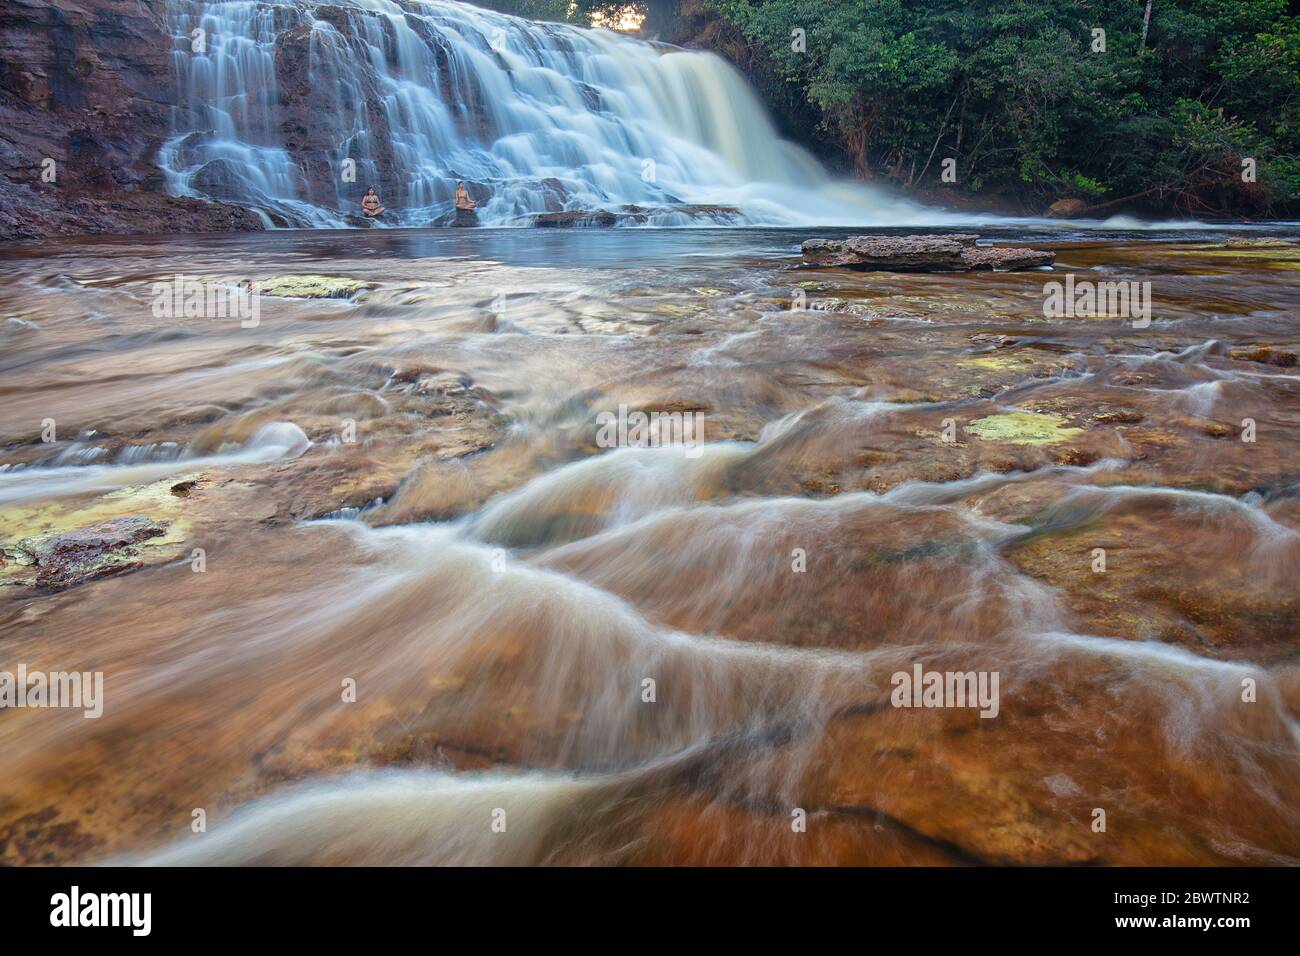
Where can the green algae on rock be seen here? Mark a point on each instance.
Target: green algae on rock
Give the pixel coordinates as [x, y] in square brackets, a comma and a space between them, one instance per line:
[1023, 428]
[998, 363]
[55, 545]
[65, 558]
[311, 287]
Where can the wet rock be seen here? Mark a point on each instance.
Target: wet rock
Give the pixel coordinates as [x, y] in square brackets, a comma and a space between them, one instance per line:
[190, 149]
[633, 215]
[27, 213]
[577, 217]
[719, 214]
[220, 180]
[1006, 258]
[1023, 428]
[311, 287]
[697, 832]
[465, 218]
[1066, 208]
[444, 383]
[65, 558]
[950, 776]
[44, 837]
[896, 253]
[1205, 426]
[919, 254]
[1281, 252]
[182, 488]
[96, 100]
[1266, 354]
[1117, 415]
[410, 374]
[1259, 243]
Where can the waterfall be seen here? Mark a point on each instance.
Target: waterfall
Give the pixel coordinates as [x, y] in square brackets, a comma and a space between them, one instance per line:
[293, 107]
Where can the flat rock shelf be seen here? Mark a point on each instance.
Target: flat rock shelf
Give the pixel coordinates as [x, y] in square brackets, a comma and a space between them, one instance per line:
[920, 254]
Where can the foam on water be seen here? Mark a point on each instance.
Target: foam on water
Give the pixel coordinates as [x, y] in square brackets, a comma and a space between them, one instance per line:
[271, 442]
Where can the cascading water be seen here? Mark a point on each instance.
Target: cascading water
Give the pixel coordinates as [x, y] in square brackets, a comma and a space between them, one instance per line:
[274, 97]
[365, 651]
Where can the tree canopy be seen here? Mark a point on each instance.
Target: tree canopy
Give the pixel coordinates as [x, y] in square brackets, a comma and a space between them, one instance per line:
[1027, 96]
[1190, 104]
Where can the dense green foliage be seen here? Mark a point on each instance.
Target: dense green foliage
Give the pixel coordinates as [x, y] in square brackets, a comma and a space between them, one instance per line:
[1014, 90]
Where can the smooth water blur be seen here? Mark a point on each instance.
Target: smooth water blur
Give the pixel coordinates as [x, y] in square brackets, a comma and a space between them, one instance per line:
[499, 586]
[540, 117]
[536, 117]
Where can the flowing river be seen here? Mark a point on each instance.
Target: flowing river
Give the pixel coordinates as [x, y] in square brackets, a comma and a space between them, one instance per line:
[397, 602]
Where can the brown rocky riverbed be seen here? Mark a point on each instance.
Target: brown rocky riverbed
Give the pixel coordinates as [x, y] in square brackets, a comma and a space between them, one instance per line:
[358, 571]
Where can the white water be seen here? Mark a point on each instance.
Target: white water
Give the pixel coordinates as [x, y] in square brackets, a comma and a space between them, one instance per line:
[272, 442]
[535, 117]
[421, 609]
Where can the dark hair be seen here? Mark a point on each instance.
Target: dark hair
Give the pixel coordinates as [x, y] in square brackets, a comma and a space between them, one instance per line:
[370, 189]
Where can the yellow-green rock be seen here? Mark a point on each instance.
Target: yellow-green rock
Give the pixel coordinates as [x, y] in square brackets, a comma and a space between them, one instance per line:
[1023, 428]
[311, 287]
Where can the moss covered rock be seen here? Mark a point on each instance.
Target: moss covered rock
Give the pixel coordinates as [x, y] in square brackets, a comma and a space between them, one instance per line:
[1023, 428]
[311, 287]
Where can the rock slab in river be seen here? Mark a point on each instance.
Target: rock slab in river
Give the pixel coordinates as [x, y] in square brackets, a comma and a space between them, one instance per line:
[65, 558]
[311, 287]
[920, 254]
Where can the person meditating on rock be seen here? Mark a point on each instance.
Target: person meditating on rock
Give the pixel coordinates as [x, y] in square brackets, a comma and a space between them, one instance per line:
[370, 203]
[464, 214]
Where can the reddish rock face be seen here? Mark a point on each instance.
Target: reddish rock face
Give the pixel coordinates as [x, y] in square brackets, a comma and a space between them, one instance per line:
[88, 84]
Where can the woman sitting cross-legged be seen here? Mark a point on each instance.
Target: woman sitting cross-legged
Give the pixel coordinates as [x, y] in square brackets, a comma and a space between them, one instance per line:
[370, 204]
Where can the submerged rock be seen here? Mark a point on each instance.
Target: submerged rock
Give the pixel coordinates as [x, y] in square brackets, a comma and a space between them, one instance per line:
[920, 254]
[1266, 354]
[1258, 243]
[311, 287]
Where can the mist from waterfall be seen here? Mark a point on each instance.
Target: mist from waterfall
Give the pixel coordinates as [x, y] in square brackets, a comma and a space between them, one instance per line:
[534, 117]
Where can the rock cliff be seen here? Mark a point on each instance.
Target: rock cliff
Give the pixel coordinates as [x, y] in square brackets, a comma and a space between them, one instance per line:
[85, 94]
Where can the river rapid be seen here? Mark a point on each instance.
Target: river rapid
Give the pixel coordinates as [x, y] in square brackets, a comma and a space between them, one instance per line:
[399, 603]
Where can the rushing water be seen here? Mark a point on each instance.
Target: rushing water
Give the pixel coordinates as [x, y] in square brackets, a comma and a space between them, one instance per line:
[535, 117]
[500, 588]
